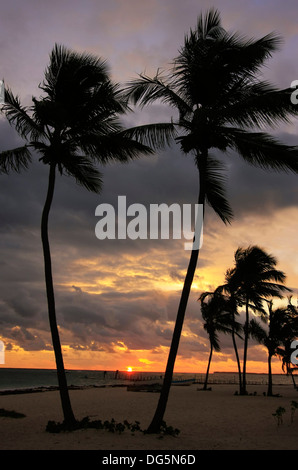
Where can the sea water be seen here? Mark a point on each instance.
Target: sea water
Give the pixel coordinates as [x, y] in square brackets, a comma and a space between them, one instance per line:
[18, 379]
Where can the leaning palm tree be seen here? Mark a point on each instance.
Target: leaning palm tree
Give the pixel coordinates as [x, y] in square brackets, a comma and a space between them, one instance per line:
[73, 126]
[217, 319]
[257, 279]
[215, 87]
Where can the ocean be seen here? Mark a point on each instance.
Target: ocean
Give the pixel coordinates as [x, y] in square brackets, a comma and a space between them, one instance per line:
[23, 379]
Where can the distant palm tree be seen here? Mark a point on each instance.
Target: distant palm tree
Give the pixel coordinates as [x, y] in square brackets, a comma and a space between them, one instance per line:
[73, 126]
[285, 353]
[233, 301]
[277, 322]
[218, 319]
[256, 278]
[290, 333]
[214, 85]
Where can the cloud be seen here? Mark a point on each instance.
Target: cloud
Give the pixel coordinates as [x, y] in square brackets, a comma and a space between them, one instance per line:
[128, 291]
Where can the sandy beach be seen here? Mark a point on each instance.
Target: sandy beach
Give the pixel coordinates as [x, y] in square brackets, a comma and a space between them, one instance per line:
[210, 420]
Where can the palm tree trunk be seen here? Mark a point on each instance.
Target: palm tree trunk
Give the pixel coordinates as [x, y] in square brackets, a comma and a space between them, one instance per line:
[244, 391]
[157, 420]
[269, 390]
[208, 367]
[69, 418]
[237, 356]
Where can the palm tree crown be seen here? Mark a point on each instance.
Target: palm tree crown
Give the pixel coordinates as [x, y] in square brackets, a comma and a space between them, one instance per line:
[256, 276]
[214, 84]
[76, 123]
[253, 280]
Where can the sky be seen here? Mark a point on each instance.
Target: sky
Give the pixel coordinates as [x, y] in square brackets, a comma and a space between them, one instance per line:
[117, 300]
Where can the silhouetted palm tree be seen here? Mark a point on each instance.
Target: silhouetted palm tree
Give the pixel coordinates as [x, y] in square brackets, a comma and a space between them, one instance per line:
[73, 126]
[233, 301]
[215, 309]
[290, 333]
[214, 84]
[277, 322]
[257, 279]
[285, 353]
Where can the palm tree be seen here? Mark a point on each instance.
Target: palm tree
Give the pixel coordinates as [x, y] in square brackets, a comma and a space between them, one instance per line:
[277, 322]
[218, 318]
[229, 290]
[214, 86]
[290, 333]
[282, 328]
[256, 278]
[285, 353]
[73, 126]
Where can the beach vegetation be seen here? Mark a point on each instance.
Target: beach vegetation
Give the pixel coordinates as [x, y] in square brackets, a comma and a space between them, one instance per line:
[214, 85]
[110, 426]
[278, 415]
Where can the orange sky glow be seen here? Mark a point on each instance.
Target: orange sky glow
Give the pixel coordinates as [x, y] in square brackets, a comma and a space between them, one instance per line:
[153, 277]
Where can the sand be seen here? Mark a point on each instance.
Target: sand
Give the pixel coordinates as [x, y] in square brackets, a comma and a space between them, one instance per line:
[210, 420]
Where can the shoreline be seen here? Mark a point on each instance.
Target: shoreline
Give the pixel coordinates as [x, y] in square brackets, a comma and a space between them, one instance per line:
[130, 385]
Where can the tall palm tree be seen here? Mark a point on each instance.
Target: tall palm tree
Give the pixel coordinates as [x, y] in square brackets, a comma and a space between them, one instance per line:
[218, 318]
[214, 85]
[257, 279]
[73, 126]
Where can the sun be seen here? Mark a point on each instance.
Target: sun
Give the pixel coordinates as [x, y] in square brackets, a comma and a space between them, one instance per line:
[129, 369]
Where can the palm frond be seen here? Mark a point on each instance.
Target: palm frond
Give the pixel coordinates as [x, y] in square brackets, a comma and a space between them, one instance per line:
[156, 136]
[19, 116]
[209, 25]
[215, 189]
[148, 90]
[112, 147]
[15, 160]
[84, 172]
[70, 75]
[256, 331]
[258, 105]
[262, 150]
